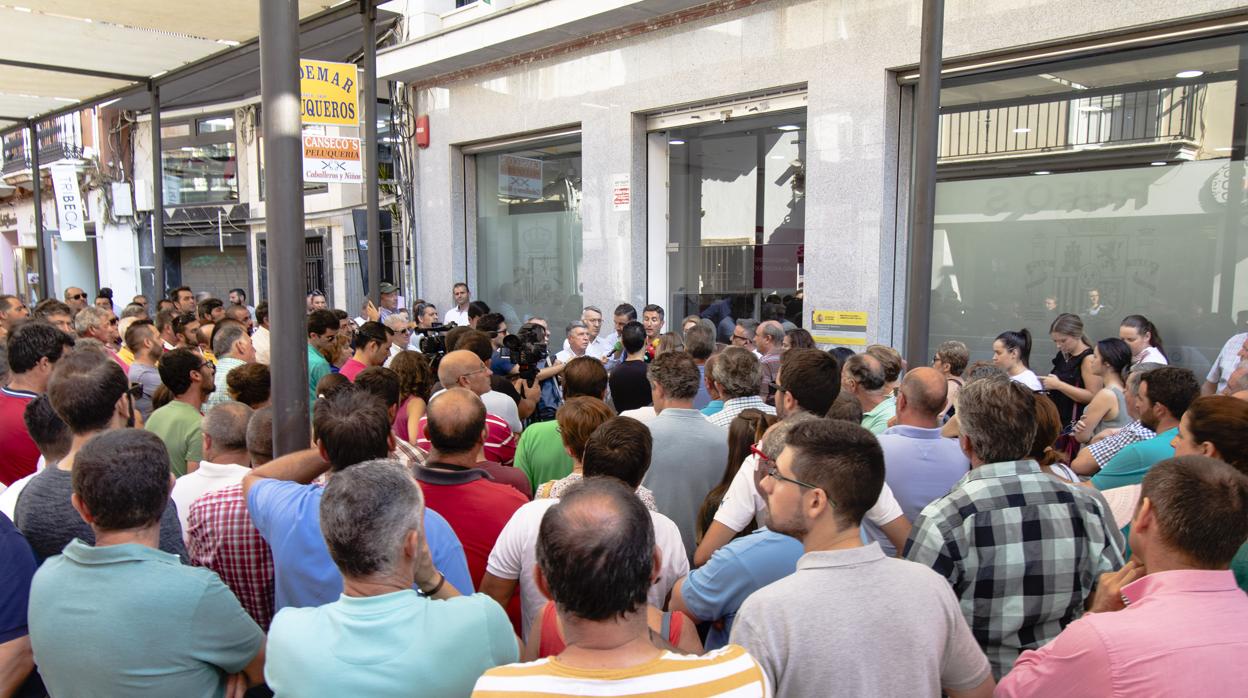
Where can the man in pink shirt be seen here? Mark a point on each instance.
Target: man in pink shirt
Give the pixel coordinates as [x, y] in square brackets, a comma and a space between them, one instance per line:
[372, 348]
[1171, 621]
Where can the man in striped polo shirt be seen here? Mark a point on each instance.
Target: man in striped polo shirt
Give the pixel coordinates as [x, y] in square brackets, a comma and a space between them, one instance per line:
[596, 558]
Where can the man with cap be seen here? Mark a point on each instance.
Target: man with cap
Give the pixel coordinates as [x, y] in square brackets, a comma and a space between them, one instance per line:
[389, 299]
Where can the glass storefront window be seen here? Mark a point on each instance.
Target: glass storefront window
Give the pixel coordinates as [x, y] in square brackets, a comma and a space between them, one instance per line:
[1103, 187]
[737, 219]
[200, 174]
[529, 232]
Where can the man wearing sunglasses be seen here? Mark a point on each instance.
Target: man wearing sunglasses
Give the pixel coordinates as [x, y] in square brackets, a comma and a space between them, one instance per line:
[848, 610]
[101, 325]
[75, 298]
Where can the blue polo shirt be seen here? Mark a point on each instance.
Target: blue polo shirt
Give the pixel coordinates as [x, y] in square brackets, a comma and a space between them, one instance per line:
[716, 590]
[129, 620]
[1130, 464]
[389, 645]
[921, 466]
[17, 566]
[288, 516]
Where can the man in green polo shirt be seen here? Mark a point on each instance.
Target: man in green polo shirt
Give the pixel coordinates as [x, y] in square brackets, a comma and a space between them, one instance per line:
[322, 338]
[191, 378]
[864, 378]
[1163, 397]
[540, 453]
[122, 618]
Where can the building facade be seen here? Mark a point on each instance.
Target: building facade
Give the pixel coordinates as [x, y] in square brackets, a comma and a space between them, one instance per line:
[717, 158]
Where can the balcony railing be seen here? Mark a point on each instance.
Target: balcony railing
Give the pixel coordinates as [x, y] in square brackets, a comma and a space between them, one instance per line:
[59, 139]
[1074, 122]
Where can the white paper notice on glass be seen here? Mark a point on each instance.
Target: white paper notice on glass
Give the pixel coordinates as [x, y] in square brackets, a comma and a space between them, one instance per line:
[70, 213]
[621, 192]
[519, 178]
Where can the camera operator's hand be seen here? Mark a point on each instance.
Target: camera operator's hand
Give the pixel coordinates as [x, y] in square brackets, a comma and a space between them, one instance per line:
[550, 371]
[371, 312]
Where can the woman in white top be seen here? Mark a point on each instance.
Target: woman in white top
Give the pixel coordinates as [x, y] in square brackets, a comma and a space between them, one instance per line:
[1144, 339]
[1108, 408]
[1012, 352]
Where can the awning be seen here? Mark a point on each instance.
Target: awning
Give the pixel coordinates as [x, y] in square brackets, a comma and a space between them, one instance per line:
[58, 56]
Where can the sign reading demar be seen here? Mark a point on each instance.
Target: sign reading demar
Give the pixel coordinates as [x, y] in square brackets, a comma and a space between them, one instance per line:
[329, 93]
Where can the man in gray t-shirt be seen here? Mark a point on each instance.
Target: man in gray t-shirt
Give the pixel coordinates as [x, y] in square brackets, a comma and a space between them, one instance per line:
[144, 342]
[689, 452]
[850, 618]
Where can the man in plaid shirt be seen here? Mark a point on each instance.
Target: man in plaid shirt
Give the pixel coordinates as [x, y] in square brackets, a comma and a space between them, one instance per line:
[1022, 549]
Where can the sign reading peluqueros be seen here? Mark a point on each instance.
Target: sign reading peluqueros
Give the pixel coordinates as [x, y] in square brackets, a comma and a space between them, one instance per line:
[329, 93]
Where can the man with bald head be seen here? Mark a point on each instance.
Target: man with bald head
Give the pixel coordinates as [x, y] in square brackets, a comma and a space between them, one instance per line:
[477, 499]
[919, 465]
[466, 370]
[75, 298]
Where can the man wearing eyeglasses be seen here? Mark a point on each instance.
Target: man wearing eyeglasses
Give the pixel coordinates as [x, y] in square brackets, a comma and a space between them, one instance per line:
[101, 325]
[849, 616]
[397, 323]
[75, 298]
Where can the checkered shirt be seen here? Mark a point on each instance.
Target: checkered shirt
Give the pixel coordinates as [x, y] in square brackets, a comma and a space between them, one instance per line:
[222, 538]
[407, 454]
[736, 406]
[1022, 550]
[1109, 446]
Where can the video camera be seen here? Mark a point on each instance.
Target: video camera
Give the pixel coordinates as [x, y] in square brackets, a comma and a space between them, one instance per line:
[526, 349]
[433, 342]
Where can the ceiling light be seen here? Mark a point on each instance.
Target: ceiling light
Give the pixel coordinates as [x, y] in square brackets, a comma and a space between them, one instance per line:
[1158, 163]
[1042, 172]
[788, 127]
[675, 141]
[1022, 130]
[1189, 73]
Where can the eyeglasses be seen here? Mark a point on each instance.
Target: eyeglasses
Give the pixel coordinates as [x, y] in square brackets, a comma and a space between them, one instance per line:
[78, 297]
[773, 470]
[775, 387]
[738, 338]
[113, 321]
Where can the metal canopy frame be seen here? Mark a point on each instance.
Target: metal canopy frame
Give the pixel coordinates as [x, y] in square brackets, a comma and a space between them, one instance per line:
[277, 49]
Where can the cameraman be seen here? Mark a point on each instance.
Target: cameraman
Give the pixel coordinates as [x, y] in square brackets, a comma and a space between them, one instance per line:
[548, 396]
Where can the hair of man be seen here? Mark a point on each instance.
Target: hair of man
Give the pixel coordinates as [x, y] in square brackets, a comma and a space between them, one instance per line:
[1201, 508]
[676, 373]
[225, 335]
[260, 435]
[653, 308]
[842, 459]
[633, 337]
[47, 429]
[890, 360]
[31, 341]
[812, 377]
[89, 318]
[737, 371]
[627, 310]
[84, 389]
[176, 367]
[122, 478]
[700, 341]
[382, 382]
[456, 420]
[262, 312]
[50, 306]
[620, 448]
[998, 417]
[866, 370]
[226, 425]
[578, 418]
[139, 332]
[322, 321]
[595, 550]
[584, 375]
[1172, 386]
[352, 426]
[367, 512]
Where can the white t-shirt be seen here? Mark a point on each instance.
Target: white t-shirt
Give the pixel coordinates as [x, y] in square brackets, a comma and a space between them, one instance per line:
[1152, 355]
[515, 554]
[1029, 379]
[641, 414]
[742, 501]
[455, 315]
[208, 477]
[503, 407]
[1228, 360]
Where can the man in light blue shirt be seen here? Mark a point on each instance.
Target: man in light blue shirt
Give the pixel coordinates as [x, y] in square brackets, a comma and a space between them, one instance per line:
[689, 453]
[284, 503]
[715, 591]
[120, 617]
[921, 465]
[385, 635]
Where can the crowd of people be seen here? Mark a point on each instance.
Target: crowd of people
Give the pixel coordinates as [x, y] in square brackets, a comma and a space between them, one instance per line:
[626, 509]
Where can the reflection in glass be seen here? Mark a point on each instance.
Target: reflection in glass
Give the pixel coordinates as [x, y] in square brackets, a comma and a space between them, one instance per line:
[200, 174]
[1101, 187]
[529, 233]
[737, 219]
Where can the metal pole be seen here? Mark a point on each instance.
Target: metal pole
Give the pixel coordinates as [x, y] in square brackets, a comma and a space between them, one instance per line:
[159, 285]
[369, 14]
[36, 183]
[283, 218]
[923, 190]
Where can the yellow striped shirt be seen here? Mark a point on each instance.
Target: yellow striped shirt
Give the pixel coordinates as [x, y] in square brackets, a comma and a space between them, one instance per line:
[729, 672]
